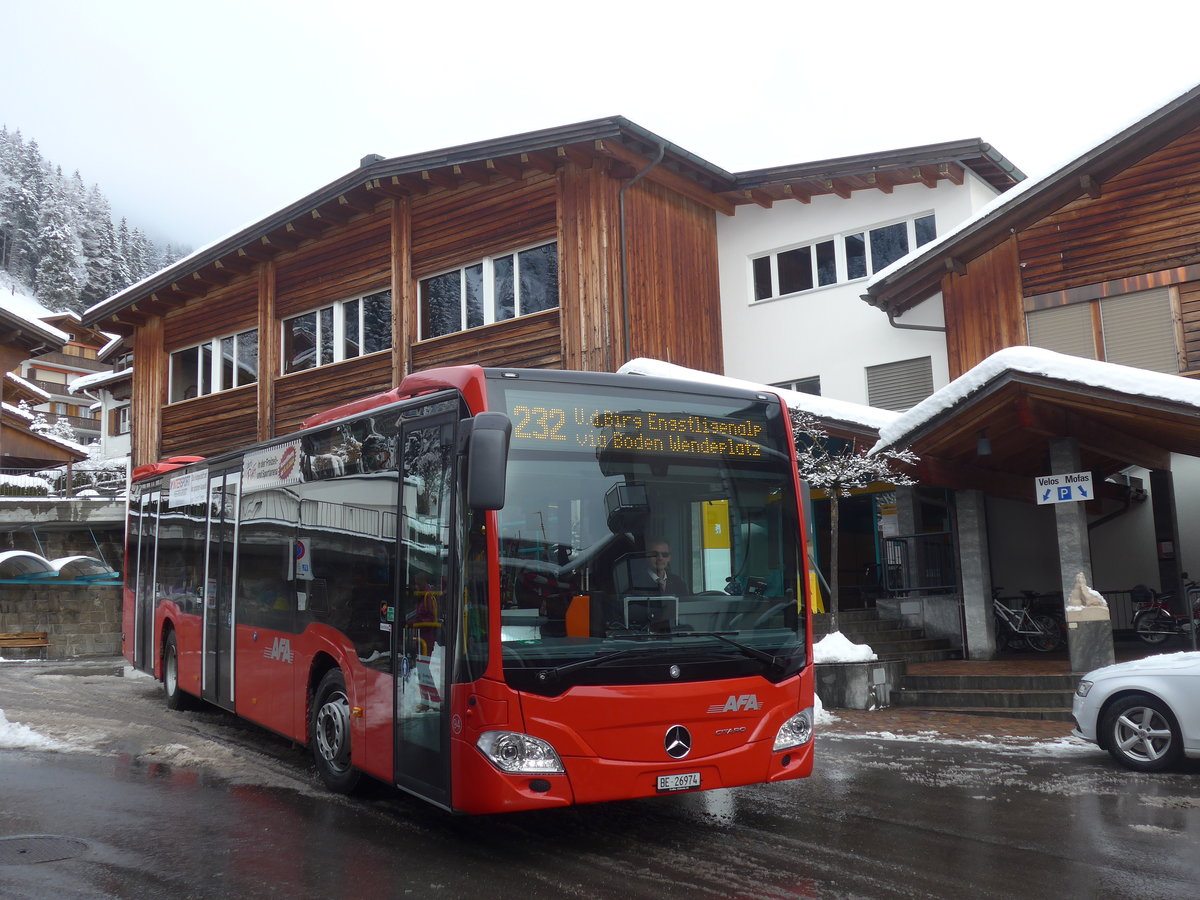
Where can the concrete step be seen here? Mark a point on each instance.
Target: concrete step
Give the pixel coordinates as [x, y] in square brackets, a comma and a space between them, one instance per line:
[965, 699]
[1008, 712]
[1064, 682]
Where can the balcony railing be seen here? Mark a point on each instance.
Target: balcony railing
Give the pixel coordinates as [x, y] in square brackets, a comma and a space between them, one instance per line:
[85, 480]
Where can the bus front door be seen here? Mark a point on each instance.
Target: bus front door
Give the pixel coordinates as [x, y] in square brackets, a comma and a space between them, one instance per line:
[145, 590]
[421, 644]
[218, 588]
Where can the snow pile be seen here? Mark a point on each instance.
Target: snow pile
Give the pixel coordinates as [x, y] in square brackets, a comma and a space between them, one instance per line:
[835, 647]
[21, 737]
[822, 716]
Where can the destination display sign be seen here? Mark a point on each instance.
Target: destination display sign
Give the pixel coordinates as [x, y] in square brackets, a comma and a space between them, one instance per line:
[609, 425]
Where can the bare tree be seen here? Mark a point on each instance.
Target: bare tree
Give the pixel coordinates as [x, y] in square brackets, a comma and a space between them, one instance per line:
[837, 466]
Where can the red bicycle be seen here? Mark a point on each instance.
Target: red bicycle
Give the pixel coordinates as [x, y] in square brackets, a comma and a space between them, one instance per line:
[1154, 620]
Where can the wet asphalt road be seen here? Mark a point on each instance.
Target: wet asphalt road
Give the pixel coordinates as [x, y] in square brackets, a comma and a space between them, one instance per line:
[200, 805]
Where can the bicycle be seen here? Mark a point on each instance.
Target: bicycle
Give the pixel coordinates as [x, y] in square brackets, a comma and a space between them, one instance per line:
[1154, 621]
[1018, 628]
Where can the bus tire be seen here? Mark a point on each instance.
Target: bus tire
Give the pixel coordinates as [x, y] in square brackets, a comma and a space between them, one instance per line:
[329, 734]
[177, 698]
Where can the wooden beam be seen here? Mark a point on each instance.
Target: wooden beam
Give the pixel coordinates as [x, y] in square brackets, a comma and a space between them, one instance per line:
[1090, 186]
[926, 175]
[955, 265]
[440, 178]
[762, 198]
[797, 192]
[574, 154]
[480, 175]
[879, 181]
[504, 168]
[935, 472]
[953, 172]
[356, 203]
[1094, 435]
[282, 240]
[543, 162]
[672, 180]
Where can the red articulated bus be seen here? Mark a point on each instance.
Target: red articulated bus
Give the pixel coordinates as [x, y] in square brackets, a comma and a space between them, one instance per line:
[453, 587]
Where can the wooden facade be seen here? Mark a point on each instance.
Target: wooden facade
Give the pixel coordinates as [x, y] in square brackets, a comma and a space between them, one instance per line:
[374, 232]
[1137, 230]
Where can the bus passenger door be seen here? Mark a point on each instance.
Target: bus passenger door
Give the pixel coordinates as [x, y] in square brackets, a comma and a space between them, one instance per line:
[145, 591]
[218, 588]
[421, 642]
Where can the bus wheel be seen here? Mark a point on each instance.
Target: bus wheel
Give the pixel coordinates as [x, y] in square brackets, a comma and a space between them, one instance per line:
[176, 699]
[329, 730]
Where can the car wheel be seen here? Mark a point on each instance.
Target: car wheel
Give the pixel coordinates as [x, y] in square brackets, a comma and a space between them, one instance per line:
[177, 699]
[1140, 733]
[1151, 626]
[329, 734]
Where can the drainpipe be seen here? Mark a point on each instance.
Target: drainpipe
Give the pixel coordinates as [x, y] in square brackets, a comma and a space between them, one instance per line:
[892, 321]
[662, 151]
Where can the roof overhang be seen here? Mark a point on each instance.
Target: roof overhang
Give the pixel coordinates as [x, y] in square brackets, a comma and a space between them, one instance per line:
[1019, 413]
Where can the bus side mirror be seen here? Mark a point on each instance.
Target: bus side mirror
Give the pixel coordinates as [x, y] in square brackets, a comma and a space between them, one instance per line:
[487, 460]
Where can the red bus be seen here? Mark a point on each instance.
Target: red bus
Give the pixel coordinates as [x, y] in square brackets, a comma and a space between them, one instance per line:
[449, 587]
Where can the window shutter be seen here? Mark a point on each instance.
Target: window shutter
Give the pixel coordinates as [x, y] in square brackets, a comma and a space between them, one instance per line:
[1139, 330]
[900, 385]
[1064, 329]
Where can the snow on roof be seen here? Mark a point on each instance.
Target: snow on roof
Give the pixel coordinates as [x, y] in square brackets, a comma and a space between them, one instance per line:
[30, 418]
[821, 407]
[28, 385]
[25, 307]
[1036, 361]
[1013, 195]
[97, 379]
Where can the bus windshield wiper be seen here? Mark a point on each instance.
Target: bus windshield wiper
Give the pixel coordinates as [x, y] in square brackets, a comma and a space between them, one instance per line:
[555, 672]
[752, 652]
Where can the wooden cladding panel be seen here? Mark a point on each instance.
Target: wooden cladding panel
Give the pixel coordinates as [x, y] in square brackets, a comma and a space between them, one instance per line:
[210, 425]
[300, 395]
[149, 393]
[1147, 218]
[674, 292]
[528, 342]
[589, 272]
[450, 228]
[224, 311]
[1189, 310]
[983, 308]
[351, 260]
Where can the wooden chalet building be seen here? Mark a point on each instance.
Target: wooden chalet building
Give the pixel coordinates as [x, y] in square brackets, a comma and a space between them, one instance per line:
[574, 247]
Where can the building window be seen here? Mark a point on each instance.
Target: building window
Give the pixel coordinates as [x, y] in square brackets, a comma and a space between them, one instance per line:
[120, 420]
[802, 385]
[900, 385]
[838, 259]
[335, 333]
[1131, 329]
[217, 365]
[491, 290]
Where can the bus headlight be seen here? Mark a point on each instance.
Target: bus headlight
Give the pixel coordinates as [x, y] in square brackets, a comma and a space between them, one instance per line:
[796, 731]
[519, 754]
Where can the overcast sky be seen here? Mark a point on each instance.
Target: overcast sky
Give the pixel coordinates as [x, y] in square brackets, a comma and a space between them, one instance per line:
[199, 118]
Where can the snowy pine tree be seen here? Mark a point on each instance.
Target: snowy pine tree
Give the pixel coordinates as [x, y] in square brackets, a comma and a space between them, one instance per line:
[837, 466]
[59, 253]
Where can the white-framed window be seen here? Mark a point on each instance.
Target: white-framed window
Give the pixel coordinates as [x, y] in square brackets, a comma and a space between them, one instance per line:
[811, 385]
[491, 290]
[837, 259]
[122, 420]
[1134, 330]
[900, 385]
[220, 364]
[337, 332]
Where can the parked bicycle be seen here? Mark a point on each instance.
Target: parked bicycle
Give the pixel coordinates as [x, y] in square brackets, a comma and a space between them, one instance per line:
[1017, 628]
[1154, 619]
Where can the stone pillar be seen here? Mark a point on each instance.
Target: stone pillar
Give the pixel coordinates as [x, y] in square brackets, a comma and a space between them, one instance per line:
[1074, 546]
[973, 563]
[1166, 534]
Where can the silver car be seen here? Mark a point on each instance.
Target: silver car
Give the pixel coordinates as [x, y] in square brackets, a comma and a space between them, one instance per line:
[1146, 712]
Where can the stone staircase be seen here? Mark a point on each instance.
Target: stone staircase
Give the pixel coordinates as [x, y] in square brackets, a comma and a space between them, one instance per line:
[1013, 696]
[890, 639]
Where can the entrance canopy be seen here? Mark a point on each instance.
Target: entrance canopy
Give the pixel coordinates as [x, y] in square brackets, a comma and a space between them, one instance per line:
[989, 429]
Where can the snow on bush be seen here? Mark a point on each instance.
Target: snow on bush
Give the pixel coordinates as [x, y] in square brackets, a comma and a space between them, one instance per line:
[835, 647]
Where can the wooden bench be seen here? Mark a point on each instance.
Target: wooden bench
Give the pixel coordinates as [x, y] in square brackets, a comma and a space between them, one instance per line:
[24, 639]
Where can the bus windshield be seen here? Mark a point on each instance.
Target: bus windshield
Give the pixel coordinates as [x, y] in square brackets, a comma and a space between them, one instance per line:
[648, 536]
